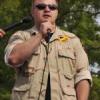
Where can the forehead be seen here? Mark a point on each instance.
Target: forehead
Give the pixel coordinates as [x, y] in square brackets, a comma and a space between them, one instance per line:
[45, 1]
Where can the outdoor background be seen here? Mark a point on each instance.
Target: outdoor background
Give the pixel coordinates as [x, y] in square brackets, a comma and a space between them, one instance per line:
[77, 16]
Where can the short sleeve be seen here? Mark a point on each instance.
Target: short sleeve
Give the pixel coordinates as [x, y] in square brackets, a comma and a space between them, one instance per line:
[16, 38]
[82, 63]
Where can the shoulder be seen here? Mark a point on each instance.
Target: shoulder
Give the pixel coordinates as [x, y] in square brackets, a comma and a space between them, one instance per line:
[70, 35]
[63, 32]
[72, 39]
[22, 34]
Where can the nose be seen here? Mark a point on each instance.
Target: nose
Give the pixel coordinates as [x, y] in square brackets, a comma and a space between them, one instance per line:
[47, 8]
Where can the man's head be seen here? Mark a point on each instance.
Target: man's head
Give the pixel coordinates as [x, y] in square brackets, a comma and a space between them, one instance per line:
[44, 10]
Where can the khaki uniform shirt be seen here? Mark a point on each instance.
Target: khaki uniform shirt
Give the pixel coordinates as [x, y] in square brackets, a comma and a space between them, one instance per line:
[64, 58]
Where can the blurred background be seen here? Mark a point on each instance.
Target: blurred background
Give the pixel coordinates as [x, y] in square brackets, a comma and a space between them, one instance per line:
[81, 17]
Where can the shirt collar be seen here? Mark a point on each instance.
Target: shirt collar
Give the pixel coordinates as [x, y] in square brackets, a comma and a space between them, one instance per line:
[58, 32]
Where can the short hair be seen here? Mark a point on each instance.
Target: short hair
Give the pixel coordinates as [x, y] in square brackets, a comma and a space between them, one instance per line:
[56, 0]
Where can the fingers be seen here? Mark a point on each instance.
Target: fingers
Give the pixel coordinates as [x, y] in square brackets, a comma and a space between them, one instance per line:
[2, 33]
[44, 27]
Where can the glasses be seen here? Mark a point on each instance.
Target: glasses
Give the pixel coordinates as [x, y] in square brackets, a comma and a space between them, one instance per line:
[43, 6]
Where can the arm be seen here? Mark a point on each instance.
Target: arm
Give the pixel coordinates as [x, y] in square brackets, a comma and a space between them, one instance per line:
[83, 76]
[82, 90]
[24, 50]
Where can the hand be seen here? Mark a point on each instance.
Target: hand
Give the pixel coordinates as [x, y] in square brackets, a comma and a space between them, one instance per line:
[44, 27]
[2, 33]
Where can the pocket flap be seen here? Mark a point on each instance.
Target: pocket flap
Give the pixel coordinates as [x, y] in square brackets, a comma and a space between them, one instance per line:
[66, 54]
[22, 84]
[68, 75]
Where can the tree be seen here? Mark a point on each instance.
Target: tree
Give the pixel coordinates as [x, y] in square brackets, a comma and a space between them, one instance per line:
[10, 12]
[78, 16]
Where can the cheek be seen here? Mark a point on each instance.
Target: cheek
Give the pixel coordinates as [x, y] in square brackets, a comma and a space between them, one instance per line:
[55, 15]
[36, 15]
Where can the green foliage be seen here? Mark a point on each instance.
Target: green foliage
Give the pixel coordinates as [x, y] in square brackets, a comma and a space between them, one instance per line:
[78, 16]
[95, 90]
[10, 12]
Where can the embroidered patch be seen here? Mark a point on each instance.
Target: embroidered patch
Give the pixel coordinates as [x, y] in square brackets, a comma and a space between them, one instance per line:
[63, 38]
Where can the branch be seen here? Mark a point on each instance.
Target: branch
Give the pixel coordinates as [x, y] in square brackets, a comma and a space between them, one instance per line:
[77, 11]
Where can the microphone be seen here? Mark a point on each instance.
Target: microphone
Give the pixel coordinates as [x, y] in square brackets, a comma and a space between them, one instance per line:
[49, 34]
[24, 20]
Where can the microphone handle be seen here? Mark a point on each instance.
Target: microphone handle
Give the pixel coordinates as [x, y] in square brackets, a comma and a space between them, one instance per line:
[49, 36]
[26, 19]
[7, 28]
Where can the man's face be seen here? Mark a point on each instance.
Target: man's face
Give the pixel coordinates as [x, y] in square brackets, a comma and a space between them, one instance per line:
[44, 10]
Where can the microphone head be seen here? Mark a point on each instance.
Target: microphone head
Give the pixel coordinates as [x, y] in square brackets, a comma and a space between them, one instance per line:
[48, 30]
[27, 19]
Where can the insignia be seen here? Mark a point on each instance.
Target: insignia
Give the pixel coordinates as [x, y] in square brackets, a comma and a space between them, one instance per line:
[63, 38]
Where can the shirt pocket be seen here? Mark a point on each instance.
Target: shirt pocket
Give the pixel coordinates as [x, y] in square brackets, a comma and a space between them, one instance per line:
[67, 62]
[32, 63]
[67, 66]
[22, 84]
[67, 85]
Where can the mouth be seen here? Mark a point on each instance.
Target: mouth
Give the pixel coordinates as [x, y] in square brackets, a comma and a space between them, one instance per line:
[46, 16]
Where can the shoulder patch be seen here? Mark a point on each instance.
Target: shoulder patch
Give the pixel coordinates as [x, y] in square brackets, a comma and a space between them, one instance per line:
[63, 38]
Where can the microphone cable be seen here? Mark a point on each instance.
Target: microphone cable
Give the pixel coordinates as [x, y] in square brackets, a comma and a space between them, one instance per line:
[46, 60]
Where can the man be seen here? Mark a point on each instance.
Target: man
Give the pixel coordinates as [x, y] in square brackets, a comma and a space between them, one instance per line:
[50, 63]
[2, 33]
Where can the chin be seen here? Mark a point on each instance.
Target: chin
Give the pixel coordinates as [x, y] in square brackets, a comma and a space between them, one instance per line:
[45, 20]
